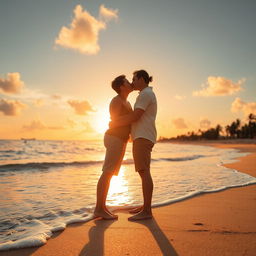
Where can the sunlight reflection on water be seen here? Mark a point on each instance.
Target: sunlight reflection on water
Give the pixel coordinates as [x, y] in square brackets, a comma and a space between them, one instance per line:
[118, 190]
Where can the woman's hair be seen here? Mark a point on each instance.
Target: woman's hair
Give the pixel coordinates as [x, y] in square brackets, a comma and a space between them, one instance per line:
[117, 82]
[144, 74]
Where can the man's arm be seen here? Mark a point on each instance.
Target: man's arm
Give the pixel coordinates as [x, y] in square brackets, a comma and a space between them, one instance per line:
[127, 119]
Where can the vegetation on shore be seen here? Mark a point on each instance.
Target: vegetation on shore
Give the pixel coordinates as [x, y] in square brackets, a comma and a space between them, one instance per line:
[233, 131]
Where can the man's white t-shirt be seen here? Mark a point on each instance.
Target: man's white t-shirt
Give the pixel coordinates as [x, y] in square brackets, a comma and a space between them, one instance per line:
[145, 126]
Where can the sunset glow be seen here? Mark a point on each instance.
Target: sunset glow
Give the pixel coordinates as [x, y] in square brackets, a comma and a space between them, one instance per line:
[88, 85]
[101, 121]
[74, 49]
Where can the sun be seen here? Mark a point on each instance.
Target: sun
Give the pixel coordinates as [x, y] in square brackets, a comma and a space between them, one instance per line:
[101, 121]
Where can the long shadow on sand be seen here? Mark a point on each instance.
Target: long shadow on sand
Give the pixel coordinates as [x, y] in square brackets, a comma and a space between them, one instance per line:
[95, 246]
[164, 244]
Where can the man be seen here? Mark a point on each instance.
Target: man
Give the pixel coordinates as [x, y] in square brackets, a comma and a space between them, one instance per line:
[115, 140]
[143, 134]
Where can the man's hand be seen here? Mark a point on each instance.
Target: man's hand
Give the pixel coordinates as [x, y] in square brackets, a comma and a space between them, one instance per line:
[127, 119]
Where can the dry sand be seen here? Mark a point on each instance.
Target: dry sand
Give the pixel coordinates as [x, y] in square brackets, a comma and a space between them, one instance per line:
[222, 223]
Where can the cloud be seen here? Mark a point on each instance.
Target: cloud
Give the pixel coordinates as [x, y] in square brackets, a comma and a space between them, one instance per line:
[108, 14]
[204, 123]
[38, 98]
[179, 123]
[35, 125]
[86, 126]
[179, 97]
[83, 33]
[39, 125]
[219, 86]
[81, 107]
[11, 107]
[12, 84]
[246, 107]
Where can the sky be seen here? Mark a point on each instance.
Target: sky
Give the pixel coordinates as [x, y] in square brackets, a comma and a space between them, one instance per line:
[58, 58]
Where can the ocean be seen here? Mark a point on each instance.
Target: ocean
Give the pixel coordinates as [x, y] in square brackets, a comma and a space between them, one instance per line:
[46, 185]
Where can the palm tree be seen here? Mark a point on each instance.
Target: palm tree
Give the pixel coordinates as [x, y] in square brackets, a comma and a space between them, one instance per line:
[227, 129]
[238, 123]
[252, 125]
[234, 128]
[218, 129]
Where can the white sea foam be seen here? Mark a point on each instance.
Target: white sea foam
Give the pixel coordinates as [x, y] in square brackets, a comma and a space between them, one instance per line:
[30, 241]
[37, 233]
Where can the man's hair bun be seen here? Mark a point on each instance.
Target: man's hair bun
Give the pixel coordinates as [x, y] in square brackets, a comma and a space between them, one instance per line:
[144, 74]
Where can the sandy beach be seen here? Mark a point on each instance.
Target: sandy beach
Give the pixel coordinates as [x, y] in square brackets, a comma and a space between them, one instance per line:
[221, 223]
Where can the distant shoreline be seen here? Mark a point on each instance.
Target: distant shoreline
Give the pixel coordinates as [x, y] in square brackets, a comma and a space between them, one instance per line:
[219, 141]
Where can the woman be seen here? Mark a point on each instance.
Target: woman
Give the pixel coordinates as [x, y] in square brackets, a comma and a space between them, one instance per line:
[115, 141]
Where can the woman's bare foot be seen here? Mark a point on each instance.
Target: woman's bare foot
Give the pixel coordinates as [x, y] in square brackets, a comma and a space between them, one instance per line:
[104, 215]
[136, 210]
[143, 215]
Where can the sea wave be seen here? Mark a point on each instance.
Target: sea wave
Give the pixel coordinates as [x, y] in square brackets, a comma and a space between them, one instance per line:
[44, 165]
[48, 165]
[186, 158]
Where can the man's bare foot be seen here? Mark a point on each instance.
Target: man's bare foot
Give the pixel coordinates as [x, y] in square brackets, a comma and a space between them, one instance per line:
[136, 210]
[104, 215]
[143, 215]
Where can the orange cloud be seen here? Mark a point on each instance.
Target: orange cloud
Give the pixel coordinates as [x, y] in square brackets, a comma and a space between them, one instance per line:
[12, 84]
[108, 13]
[219, 86]
[179, 123]
[35, 125]
[83, 33]
[246, 107]
[11, 107]
[39, 99]
[81, 107]
[39, 125]
[204, 123]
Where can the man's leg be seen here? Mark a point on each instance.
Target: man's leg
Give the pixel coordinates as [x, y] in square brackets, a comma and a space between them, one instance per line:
[142, 156]
[147, 189]
[102, 191]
